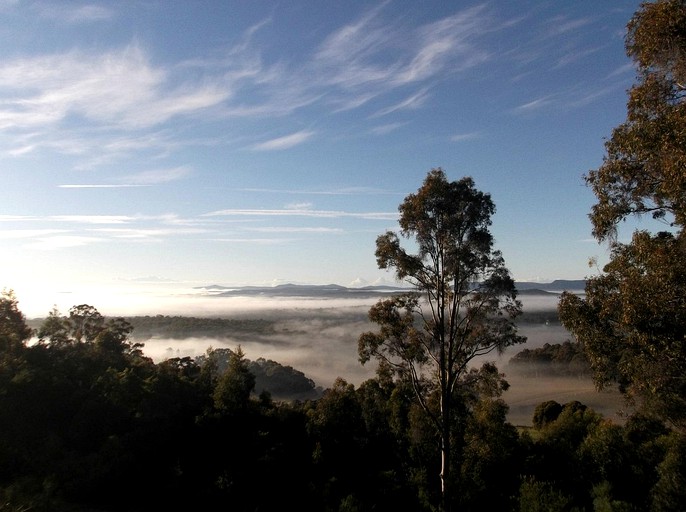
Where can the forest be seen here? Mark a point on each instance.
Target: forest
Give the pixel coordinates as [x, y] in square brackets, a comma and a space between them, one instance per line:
[88, 422]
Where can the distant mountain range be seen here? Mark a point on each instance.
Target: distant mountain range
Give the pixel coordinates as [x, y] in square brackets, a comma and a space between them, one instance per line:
[300, 290]
[557, 286]
[338, 291]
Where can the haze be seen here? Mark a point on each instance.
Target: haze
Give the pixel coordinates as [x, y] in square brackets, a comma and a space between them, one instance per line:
[319, 338]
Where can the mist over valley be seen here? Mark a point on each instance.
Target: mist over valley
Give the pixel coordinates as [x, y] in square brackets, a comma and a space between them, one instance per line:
[315, 330]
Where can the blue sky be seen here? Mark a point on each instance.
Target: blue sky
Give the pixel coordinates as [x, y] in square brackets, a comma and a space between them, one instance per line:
[224, 142]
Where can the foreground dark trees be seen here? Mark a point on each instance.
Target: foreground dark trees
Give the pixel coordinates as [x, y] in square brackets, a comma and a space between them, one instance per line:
[94, 425]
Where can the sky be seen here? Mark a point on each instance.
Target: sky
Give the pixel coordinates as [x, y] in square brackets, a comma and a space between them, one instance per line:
[166, 145]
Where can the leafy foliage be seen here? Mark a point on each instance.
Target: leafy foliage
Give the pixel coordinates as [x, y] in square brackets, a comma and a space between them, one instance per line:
[642, 172]
[545, 413]
[551, 360]
[463, 308]
[234, 387]
[631, 321]
[93, 425]
[282, 382]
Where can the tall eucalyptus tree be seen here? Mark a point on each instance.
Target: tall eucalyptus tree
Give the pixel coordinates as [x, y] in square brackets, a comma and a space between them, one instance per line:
[462, 307]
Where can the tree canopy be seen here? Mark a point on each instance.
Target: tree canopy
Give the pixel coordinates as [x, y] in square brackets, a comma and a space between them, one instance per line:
[643, 170]
[463, 307]
[631, 321]
[85, 425]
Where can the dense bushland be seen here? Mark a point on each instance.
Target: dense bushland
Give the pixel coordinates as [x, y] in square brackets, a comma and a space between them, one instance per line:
[87, 422]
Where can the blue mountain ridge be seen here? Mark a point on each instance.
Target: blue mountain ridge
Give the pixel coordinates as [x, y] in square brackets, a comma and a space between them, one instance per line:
[338, 291]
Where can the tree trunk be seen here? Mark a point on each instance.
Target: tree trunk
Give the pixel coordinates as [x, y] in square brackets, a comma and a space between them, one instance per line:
[445, 461]
[445, 455]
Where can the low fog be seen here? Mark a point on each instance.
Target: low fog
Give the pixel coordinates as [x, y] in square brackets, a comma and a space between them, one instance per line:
[319, 337]
[320, 342]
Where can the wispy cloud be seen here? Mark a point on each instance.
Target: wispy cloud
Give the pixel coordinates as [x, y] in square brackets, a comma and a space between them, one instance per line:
[575, 56]
[621, 70]
[285, 142]
[443, 40]
[301, 213]
[587, 97]
[62, 242]
[534, 105]
[346, 52]
[93, 219]
[347, 191]
[572, 97]
[107, 146]
[411, 102]
[254, 241]
[561, 25]
[87, 185]
[355, 58]
[387, 128]
[156, 176]
[147, 233]
[120, 87]
[554, 43]
[15, 218]
[299, 206]
[84, 230]
[121, 90]
[294, 229]
[28, 233]
[74, 14]
[172, 219]
[461, 137]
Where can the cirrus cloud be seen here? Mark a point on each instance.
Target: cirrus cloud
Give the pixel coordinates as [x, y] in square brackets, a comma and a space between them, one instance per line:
[285, 142]
[237, 212]
[119, 88]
